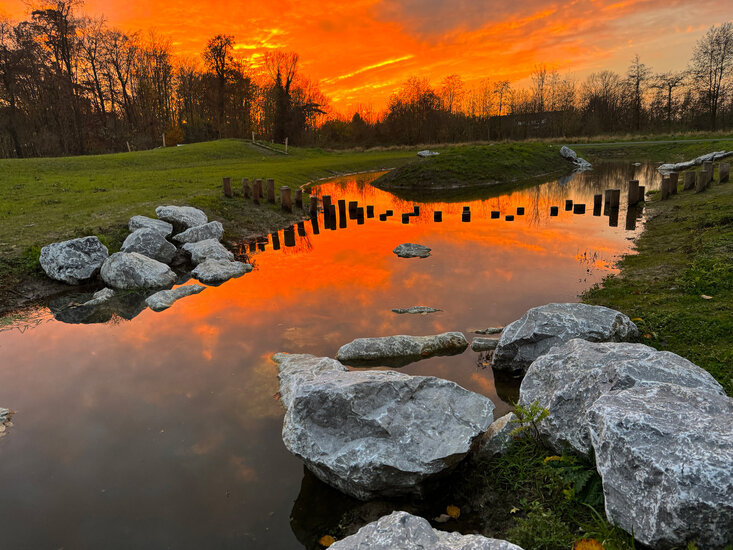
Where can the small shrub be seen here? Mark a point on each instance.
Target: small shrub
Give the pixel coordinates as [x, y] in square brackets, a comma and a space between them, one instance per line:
[541, 530]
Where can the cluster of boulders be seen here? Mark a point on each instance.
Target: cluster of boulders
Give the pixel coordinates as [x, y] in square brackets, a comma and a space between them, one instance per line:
[181, 237]
[658, 426]
[698, 161]
[580, 164]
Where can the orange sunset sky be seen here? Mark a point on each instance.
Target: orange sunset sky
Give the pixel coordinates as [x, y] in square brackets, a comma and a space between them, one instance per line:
[362, 50]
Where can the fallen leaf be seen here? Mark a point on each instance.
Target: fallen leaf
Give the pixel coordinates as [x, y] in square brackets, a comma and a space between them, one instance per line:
[277, 396]
[326, 541]
[706, 297]
[453, 511]
[514, 510]
[637, 319]
[442, 518]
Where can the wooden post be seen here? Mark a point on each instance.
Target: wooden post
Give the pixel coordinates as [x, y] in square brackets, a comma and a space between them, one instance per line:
[702, 181]
[607, 197]
[642, 193]
[129, 150]
[666, 187]
[568, 205]
[352, 209]
[226, 183]
[257, 191]
[466, 215]
[286, 146]
[708, 167]
[520, 210]
[163, 140]
[342, 208]
[615, 198]
[275, 241]
[416, 210]
[314, 225]
[598, 200]
[301, 229]
[314, 206]
[673, 180]
[509, 218]
[495, 214]
[689, 180]
[370, 211]
[299, 198]
[578, 209]
[389, 213]
[613, 217]
[285, 199]
[270, 190]
[723, 172]
[631, 219]
[554, 210]
[253, 137]
[633, 196]
[383, 217]
[326, 199]
[438, 216]
[289, 236]
[405, 218]
[245, 188]
[360, 216]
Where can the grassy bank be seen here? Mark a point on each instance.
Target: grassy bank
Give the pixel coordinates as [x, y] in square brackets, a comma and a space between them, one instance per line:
[675, 150]
[476, 165]
[51, 199]
[680, 284]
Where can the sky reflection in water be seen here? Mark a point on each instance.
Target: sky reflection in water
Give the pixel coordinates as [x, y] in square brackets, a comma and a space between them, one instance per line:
[164, 431]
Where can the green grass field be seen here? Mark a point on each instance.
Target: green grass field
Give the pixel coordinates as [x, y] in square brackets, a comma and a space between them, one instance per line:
[51, 199]
[636, 150]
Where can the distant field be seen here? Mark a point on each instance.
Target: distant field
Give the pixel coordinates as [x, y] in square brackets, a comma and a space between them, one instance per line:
[50, 199]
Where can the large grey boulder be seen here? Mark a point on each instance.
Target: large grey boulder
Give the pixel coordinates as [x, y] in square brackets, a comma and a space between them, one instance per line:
[568, 154]
[130, 270]
[403, 531]
[143, 222]
[379, 433]
[568, 380]
[209, 249]
[212, 272]
[166, 298]
[550, 325]
[665, 454]
[211, 230]
[74, 261]
[150, 243]
[297, 368]
[182, 217]
[412, 250]
[401, 349]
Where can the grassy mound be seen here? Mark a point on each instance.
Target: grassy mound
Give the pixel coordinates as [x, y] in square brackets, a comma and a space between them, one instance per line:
[473, 166]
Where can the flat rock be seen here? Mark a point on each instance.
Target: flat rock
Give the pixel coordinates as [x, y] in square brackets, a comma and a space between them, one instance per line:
[569, 378]
[166, 298]
[484, 344]
[101, 307]
[209, 249]
[544, 327]
[498, 437]
[4, 415]
[665, 455]
[74, 261]
[182, 217]
[401, 349]
[381, 433]
[213, 272]
[151, 243]
[412, 250]
[130, 270]
[403, 531]
[100, 297]
[211, 230]
[296, 368]
[143, 222]
[415, 310]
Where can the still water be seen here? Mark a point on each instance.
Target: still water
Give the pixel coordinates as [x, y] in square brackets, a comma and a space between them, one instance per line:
[164, 431]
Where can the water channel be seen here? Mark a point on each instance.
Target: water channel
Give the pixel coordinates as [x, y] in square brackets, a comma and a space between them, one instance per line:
[163, 430]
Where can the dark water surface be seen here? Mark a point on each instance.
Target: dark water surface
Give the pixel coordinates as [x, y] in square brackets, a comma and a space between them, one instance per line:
[164, 431]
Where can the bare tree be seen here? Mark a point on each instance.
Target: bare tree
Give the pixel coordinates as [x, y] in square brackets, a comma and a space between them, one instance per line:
[637, 76]
[667, 83]
[451, 92]
[711, 65]
[217, 57]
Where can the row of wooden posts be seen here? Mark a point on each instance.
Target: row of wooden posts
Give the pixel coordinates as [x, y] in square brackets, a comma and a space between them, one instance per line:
[257, 192]
[698, 180]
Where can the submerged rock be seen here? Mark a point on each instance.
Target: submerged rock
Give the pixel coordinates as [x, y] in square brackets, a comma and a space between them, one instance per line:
[151, 243]
[181, 216]
[412, 250]
[101, 308]
[484, 344]
[415, 310]
[74, 261]
[211, 230]
[490, 330]
[401, 349]
[209, 249]
[568, 380]
[378, 433]
[213, 272]
[130, 270]
[166, 298]
[143, 222]
[544, 327]
[403, 531]
[664, 453]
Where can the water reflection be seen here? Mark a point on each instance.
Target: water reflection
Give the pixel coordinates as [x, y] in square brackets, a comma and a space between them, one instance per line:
[163, 431]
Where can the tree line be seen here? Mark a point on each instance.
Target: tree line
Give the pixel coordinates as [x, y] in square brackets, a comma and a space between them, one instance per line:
[71, 84]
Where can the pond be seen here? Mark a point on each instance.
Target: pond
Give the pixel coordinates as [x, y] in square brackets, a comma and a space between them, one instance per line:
[164, 430]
